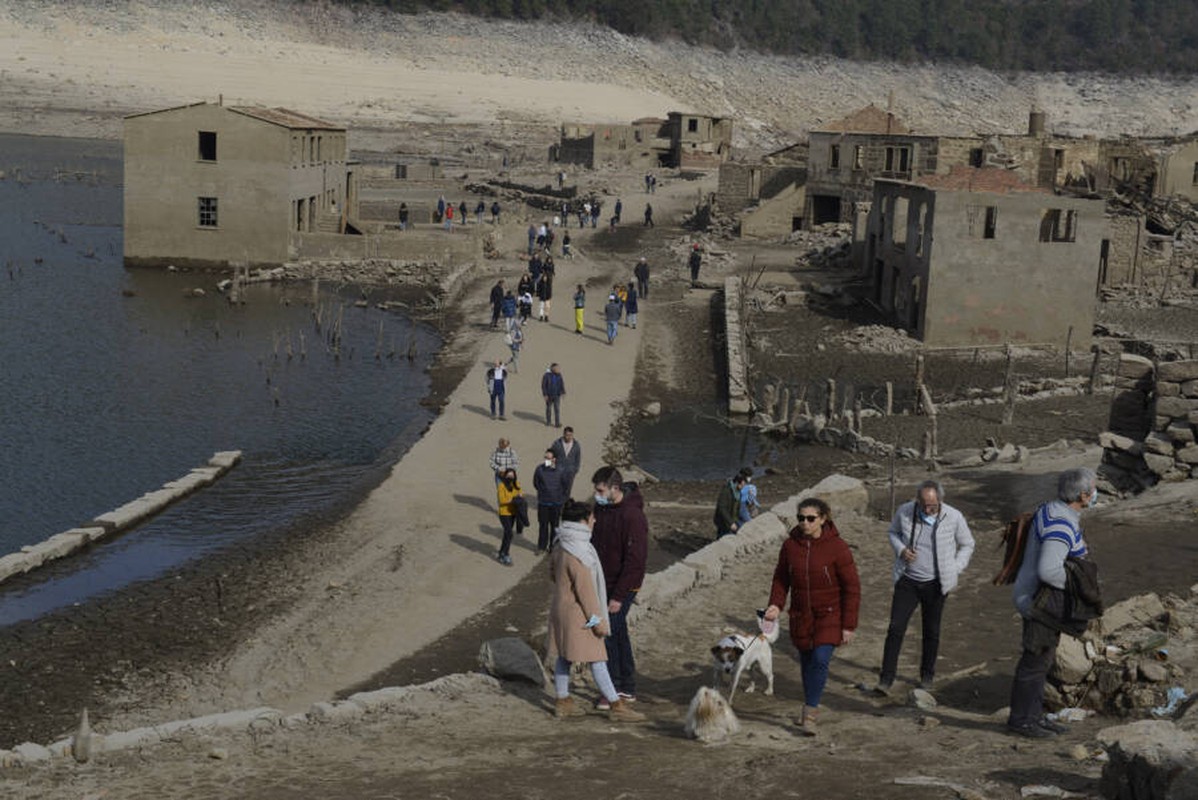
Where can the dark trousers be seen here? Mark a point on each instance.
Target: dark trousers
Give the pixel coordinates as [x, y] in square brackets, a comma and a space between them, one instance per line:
[509, 524]
[553, 403]
[1027, 689]
[494, 316]
[548, 518]
[642, 288]
[620, 662]
[498, 393]
[907, 595]
[694, 274]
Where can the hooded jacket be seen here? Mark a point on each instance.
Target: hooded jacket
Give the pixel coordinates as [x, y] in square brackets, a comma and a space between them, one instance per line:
[621, 537]
[821, 579]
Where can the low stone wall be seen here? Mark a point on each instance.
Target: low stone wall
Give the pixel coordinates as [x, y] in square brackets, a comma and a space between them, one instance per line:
[464, 244]
[1154, 417]
[63, 544]
[734, 338]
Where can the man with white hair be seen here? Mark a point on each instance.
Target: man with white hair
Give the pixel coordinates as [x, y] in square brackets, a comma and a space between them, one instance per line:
[932, 546]
[1055, 535]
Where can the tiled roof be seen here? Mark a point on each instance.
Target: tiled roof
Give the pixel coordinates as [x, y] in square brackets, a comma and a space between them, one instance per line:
[979, 179]
[870, 119]
[286, 117]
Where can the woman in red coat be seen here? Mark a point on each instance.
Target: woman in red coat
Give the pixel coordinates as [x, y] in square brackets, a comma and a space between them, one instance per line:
[816, 569]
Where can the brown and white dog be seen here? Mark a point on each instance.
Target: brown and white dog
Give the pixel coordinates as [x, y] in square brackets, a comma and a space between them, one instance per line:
[738, 652]
[710, 718]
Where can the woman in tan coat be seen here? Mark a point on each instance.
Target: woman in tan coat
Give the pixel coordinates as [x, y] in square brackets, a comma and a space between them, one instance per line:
[578, 614]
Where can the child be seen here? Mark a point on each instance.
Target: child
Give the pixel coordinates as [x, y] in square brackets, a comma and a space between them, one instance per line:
[578, 619]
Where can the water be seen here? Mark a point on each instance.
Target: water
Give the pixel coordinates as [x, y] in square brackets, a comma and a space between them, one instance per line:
[114, 382]
[695, 444]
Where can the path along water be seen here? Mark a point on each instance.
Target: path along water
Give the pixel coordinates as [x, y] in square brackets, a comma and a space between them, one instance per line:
[113, 381]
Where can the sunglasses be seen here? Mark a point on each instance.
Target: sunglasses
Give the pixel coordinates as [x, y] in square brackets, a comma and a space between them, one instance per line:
[808, 517]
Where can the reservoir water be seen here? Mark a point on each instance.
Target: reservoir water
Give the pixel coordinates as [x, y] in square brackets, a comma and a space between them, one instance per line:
[113, 382]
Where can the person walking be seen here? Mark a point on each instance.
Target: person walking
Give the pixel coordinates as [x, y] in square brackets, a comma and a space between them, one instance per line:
[748, 498]
[579, 620]
[580, 304]
[727, 507]
[507, 307]
[545, 293]
[621, 538]
[479, 210]
[508, 490]
[497, 388]
[463, 214]
[619, 207]
[568, 453]
[495, 212]
[503, 458]
[648, 223]
[496, 302]
[696, 261]
[532, 239]
[403, 216]
[566, 251]
[553, 389]
[524, 304]
[1055, 546]
[631, 306]
[551, 493]
[515, 340]
[611, 315]
[641, 273]
[440, 208]
[932, 545]
[815, 567]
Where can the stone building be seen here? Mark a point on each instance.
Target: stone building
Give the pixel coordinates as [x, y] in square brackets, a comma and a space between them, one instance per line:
[213, 184]
[769, 195]
[683, 140]
[847, 156]
[978, 256]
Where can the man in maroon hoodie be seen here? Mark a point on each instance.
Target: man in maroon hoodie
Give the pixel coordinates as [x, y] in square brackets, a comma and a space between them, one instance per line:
[621, 537]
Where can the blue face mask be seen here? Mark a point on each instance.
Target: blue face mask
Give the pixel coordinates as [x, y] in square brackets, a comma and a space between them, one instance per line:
[1093, 499]
[928, 519]
[601, 500]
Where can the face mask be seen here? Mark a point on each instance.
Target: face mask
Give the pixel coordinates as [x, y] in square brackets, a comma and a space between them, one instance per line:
[601, 500]
[928, 519]
[547, 463]
[1093, 499]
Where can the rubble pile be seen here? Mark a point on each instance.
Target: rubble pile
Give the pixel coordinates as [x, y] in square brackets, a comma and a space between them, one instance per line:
[368, 272]
[878, 339]
[829, 245]
[1126, 663]
[1151, 434]
[715, 259]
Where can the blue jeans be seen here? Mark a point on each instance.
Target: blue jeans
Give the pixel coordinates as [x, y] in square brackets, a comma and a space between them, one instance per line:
[814, 666]
[612, 329]
[620, 662]
[498, 392]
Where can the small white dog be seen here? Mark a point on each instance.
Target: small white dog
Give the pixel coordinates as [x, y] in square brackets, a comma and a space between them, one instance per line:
[710, 718]
[736, 653]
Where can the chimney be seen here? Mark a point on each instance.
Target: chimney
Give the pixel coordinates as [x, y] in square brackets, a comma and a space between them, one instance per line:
[1035, 123]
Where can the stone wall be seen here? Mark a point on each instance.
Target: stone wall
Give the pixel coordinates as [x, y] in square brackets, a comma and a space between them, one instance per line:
[1154, 415]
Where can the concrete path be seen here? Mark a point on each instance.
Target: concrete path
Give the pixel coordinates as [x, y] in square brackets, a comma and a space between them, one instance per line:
[425, 540]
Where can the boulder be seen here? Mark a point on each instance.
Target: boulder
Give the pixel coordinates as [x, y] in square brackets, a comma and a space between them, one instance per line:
[31, 751]
[1158, 443]
[1190, 388]
[842, 493]
[1158, 464]
[923, 699]
[1153, 671]
[1188, 455]
[1072, 664]
[1133, 366]
[1113, 441]
[510, 658]
[1180, 432]
[1176, 371]
[1166, 389]
[1139, 611]
[1008, 454]
[1175, 407]
[1149, 760]
[652, 409]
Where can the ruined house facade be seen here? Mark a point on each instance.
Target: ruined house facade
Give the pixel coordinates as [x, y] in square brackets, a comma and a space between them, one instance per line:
[769, 195]
[978, 256]
[682, 140]
[847, 156]
[211, 184]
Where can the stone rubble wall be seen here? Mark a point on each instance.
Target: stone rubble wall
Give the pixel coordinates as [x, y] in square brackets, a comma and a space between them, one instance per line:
[734, 340]
[60, 545]
[1154, 415]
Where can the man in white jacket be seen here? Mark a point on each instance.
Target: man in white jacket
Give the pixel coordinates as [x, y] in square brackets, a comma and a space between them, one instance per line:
[932, 545]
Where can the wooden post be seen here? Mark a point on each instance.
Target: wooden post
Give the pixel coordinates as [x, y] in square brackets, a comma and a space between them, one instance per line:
[784, 406]
[1094, 371]
[935, 435]
[889, 398]
[925, 401]
[893, 477]
[919, 369]
[1068, 350]
[857, 415]
[926, 453]
[830, 405]
[1008, 414]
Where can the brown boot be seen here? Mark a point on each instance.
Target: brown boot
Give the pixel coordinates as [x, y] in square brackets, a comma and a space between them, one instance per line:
[565, 707]
[807, 725]
[621, 711]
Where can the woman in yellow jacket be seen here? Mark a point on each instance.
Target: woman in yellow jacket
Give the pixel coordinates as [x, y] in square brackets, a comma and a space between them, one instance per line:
[509, 492]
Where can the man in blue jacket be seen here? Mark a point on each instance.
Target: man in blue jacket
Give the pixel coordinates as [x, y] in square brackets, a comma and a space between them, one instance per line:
[551, 494]
[552, 389]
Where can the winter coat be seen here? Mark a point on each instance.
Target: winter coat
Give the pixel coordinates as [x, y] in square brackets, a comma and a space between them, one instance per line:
[612, 311]
[727, 508]
[954, 542]
[572, 603]
[621, 537]
[641, 271]
[630, 304]
[570, 463]
[548, 481]
[545, 287]
[821, 579]
[508, 306]
[496, 295]
[505, 498]
[552, 384]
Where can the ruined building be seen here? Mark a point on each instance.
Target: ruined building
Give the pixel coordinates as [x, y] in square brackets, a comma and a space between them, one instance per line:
[769, 194]
[978, 256]
[214, 184]
[682, 140]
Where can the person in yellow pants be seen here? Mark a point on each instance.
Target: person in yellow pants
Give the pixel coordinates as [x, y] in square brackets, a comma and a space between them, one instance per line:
[580, 302]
